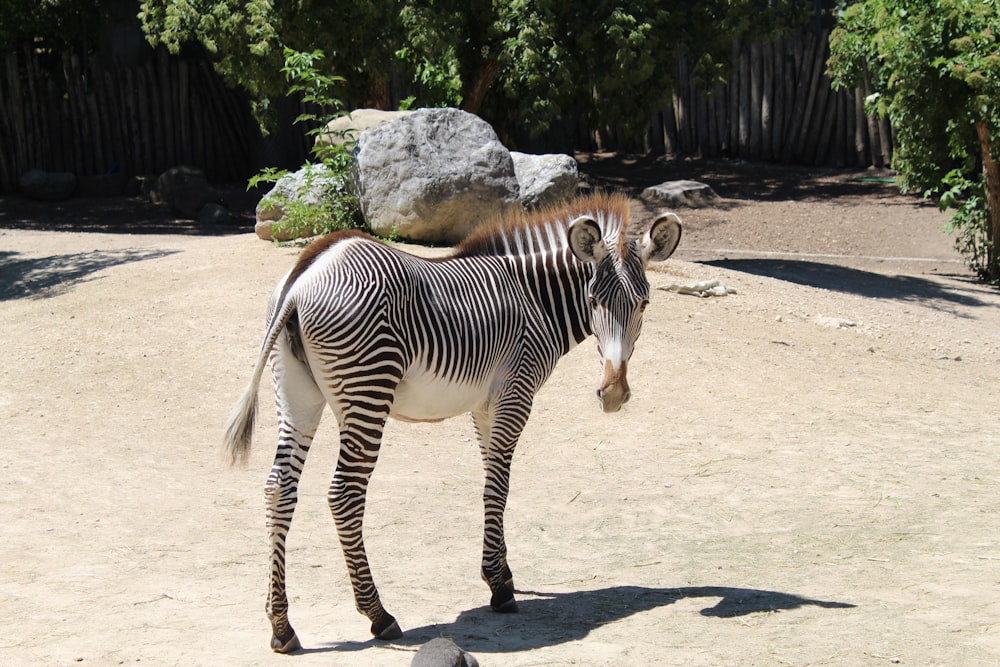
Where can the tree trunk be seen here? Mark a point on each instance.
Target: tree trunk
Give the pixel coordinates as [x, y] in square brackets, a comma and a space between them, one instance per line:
[991, 176]
[378, 96]
[476, 92]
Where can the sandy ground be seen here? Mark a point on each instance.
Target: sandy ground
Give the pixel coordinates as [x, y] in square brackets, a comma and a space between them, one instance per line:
[806, 475]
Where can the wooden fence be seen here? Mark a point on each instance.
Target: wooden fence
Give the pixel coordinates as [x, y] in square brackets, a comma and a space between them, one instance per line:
[778, 106]
[94, 120]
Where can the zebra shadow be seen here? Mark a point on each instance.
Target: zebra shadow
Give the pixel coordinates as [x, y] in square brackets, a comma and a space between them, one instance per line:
[550, 619]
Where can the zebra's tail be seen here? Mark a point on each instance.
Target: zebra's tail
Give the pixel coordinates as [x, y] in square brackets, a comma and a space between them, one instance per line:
[239, 428]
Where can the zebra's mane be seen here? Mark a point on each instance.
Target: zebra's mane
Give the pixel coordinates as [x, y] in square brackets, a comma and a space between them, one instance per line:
[544, 230]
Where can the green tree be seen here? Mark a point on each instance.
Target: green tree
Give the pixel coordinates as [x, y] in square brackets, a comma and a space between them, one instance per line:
[530, 61]
[935, 68]
[248, 39]
[516, 62]
[49, 24]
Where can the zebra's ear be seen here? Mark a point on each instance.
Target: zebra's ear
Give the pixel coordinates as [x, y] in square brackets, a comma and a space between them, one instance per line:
[662, 238]
[585, 240]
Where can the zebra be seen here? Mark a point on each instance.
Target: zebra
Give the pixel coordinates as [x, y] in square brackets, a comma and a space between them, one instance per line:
[374, 333]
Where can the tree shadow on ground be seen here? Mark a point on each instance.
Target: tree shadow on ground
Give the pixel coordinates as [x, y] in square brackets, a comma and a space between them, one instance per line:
[44, 277]
[550, 619]
[735, 180]
[124, 215]
[940, 295]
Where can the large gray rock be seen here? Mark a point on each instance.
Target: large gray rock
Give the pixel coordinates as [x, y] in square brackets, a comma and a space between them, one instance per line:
[47, 185]
[678, 194]
[545, 179]
[185, 190]
[347, 129]
[433, 176]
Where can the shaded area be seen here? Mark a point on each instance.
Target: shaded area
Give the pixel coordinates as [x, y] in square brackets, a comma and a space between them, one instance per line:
[124, 215]
[737, 180]
[43, 277]
[855, 281]
[549, 619]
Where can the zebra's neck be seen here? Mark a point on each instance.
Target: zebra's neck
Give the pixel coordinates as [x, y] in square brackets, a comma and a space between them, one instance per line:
[556, 283]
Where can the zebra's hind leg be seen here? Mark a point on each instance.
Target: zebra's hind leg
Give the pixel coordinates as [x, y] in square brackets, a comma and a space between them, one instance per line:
[360, 439]
[497, 440]
[300, 406]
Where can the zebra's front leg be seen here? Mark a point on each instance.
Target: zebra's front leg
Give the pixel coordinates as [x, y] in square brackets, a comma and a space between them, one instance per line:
[359, 446]
[497, 440]
[300, 406]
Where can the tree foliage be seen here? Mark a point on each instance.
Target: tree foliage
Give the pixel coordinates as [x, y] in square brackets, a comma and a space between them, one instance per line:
[48, 24]
[935, 68]
[516, 62]
[338, 208]
[616, 59]
[248, 39]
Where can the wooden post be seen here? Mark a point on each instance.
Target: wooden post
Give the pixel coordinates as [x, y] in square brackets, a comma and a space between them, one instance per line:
[733, 88]
[756, 101]
[745, 103]
[886, 140]
[816, 90]
[991, 178]
[670, 140]
[767, 100]
[861, 145]
[144, 90]
[795, 121]
[779, 100]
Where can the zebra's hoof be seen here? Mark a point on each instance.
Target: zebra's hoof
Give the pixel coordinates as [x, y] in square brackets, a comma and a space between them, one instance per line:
[390, 631]
[289, 645]
[503, 601]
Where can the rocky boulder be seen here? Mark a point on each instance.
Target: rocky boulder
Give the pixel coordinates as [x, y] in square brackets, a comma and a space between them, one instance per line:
[677, 194]
[545, 179]
[47, 185]
[295, 199]
[347, 129]
[185, 190]
[433, 176]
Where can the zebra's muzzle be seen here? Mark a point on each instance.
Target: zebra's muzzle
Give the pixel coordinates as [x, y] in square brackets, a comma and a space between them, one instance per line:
[614, 391]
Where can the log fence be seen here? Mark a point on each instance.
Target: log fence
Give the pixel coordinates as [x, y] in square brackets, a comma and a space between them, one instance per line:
[91, 119]
[778, 106]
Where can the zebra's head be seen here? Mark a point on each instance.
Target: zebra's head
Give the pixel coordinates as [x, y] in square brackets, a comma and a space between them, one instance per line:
[618, 293]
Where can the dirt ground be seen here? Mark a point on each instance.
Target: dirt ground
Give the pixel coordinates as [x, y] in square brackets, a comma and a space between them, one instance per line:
[807, 473]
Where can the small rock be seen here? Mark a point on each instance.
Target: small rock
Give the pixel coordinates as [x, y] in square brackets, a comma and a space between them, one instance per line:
[833, 322]
[441, 652]
[691, 194]
[213, 214]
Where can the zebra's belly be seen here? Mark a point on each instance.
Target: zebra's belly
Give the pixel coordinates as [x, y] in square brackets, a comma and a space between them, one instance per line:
[423, 397]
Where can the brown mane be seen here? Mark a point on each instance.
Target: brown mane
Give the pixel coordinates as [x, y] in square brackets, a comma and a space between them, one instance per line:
[314, 250]
[529, 228]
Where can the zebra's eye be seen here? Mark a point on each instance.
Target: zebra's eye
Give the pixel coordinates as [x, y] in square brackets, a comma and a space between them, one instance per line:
[592, 302]
[643, 304]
